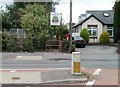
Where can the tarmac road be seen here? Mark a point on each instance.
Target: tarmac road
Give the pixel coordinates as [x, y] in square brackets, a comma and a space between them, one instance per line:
[91, 57]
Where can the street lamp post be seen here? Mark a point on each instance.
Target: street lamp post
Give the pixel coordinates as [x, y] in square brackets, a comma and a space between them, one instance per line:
[70, 28]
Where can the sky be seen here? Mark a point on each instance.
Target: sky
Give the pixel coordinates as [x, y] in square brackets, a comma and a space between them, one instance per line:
[78, 7]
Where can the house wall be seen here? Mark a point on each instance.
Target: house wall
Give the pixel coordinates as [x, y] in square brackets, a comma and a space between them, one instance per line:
[94, 21]
[105, 28]
[78, 28]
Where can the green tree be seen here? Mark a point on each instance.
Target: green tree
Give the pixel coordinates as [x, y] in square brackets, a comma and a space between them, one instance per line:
[85, 35]
[104, 38]
[34, 19]
[117, 21]
[11, 17]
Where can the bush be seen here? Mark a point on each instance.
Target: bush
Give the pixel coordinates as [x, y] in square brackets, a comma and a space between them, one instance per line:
[13, 44]
[39, 41]
[4, 41]
[28, 44]
[85, 35]
[104, 38]
[65, 46]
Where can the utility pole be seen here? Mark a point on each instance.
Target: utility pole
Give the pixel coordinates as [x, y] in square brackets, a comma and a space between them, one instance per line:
[70, 27]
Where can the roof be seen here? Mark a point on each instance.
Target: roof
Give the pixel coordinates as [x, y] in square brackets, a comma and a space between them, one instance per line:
[99, 15]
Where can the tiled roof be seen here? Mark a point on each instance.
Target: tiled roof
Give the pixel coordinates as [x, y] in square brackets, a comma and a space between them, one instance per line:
[104, 16]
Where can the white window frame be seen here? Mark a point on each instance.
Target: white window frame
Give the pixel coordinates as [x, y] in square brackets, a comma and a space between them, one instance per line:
[92, 28]
[110, 28]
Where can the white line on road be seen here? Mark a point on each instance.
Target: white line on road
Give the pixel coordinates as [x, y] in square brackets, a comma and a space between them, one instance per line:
[90, 83]
[97, 72]
[14, 70]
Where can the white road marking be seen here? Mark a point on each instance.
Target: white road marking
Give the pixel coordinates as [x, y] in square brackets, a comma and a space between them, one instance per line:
[28, 57]
[90, 83]
[97, 72]
[41, 69]
[19, 56]
[83, 68]
[14, 70]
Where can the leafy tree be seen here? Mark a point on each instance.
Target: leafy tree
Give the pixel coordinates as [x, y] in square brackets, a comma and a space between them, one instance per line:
[85, 35]
[117, 21]
[34, 18]
[104, 38]
[11, 17]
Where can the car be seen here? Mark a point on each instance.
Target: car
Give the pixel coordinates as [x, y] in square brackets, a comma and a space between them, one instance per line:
[79, 41]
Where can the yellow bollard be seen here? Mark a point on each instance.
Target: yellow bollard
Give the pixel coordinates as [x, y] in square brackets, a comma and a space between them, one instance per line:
[76, 62]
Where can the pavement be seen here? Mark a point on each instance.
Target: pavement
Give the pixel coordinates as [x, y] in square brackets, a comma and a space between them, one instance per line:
[91, 76]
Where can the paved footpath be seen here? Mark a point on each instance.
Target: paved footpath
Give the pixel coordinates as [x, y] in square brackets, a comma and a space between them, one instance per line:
[59, 76]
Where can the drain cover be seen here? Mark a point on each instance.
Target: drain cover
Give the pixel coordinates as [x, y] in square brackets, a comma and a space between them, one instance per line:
[15, 78]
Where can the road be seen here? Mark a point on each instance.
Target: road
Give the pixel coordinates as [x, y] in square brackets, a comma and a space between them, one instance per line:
[91, 57]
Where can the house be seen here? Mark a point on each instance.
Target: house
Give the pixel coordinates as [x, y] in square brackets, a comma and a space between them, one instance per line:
[96, 21]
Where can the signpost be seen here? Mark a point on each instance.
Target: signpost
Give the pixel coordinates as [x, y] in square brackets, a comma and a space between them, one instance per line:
[55, 18]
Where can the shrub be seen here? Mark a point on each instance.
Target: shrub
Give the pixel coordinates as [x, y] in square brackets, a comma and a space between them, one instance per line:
[65, 46]
[39, 41]
[13, 44]
[4, 41]
[85, 35]
[28, 44]
[104, 38]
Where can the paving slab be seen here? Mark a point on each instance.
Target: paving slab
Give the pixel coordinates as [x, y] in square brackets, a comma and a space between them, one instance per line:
[28, 77]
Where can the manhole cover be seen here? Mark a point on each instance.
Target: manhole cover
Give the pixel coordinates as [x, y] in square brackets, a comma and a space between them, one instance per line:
[15, 78]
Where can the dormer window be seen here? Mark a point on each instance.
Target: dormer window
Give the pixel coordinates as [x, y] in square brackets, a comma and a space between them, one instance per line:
[106, 14]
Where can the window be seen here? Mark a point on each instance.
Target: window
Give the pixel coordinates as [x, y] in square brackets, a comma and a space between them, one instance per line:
[110, 31]
[106, 14]
[75, 30]
[92, 29]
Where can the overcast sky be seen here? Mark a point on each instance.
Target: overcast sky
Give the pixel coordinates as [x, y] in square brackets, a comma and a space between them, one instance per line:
[79, 7]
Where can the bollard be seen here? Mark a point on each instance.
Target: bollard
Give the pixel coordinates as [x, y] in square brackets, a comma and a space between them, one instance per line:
[76, 62]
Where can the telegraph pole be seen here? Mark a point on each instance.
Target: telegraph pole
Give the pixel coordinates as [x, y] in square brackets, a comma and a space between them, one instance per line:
[70, 27]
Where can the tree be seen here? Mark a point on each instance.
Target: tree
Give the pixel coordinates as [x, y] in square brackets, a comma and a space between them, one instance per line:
[85, 35]
[11, 17]
[117, 21]
[34, 18]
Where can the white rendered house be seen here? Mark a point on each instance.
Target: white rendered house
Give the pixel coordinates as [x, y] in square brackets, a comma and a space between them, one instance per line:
[96, 21]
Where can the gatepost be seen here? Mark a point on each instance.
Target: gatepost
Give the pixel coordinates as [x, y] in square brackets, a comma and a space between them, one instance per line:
[76, 63]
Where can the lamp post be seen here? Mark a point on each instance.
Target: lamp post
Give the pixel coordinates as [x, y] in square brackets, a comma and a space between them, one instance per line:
[70, 28]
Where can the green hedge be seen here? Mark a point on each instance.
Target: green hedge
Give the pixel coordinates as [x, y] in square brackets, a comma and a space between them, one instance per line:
[11, 43]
